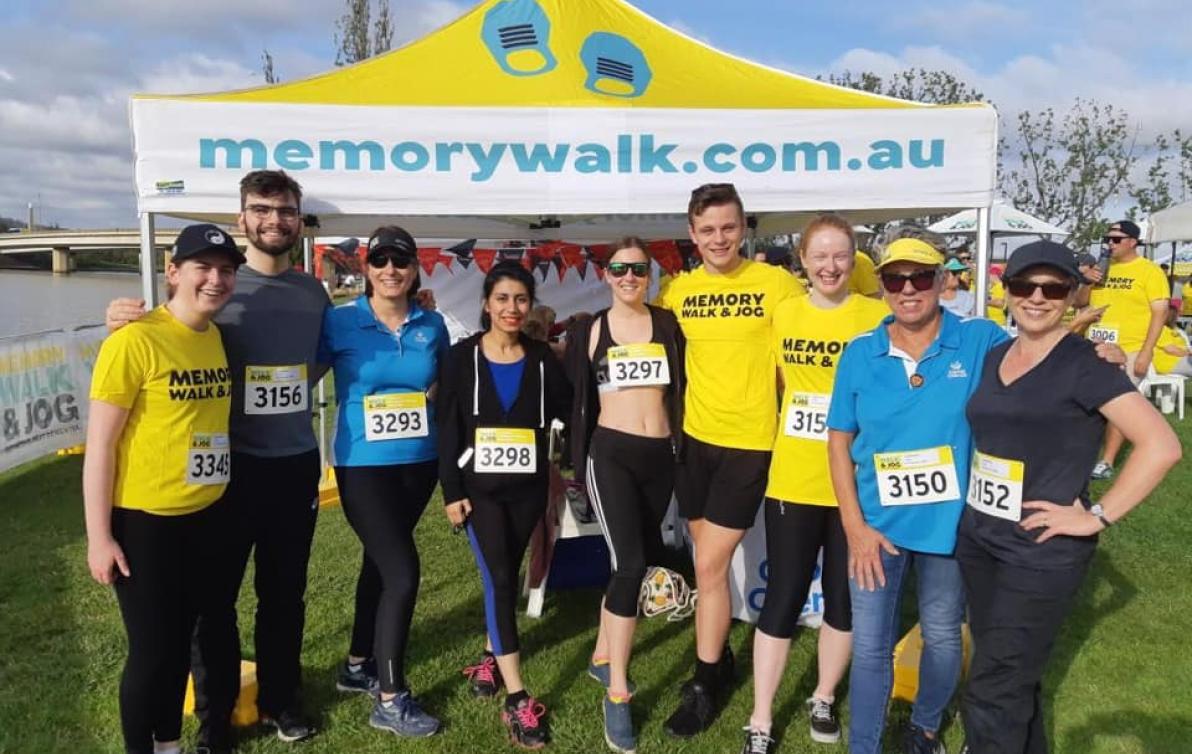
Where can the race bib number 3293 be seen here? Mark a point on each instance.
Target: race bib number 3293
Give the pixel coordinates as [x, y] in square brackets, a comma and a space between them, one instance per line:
[638, 365]
[916, 477]
[395, 416]
[275, 389]
[505, 451]
[209, 460]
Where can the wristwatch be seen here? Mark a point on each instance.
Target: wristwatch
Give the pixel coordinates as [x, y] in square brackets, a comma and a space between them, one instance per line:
[1099, 512]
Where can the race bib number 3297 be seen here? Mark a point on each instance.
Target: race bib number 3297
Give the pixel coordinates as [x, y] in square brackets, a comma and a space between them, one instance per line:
[916, 477]
[275, 389]
[638, 365]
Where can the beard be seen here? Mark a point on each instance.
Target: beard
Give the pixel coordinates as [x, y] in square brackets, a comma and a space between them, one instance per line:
[277, 249]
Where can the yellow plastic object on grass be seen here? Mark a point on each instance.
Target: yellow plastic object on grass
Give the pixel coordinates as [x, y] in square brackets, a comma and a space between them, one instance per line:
[328, 489]
[73, 450]
[906, 661]
[245, 712]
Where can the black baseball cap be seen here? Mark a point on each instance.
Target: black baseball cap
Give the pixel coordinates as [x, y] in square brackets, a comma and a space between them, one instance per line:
[1129, 227]
[1039, 254]
[202, 238]
[393, 238]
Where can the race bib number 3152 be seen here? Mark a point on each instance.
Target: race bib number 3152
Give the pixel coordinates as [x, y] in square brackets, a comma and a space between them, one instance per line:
[395, 416]
[505, 451]
[995, 486]
[638, 365]
[916, 477]
[209, 460]
[275, 390]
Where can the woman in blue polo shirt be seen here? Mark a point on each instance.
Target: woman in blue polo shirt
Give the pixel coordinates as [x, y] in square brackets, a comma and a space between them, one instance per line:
[898, 449]
[386, 352]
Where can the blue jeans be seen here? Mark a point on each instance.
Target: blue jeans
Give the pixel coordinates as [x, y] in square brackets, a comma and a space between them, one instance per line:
[875, 632]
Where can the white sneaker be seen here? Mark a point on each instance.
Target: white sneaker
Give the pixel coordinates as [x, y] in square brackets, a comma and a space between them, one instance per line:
[1102, 471]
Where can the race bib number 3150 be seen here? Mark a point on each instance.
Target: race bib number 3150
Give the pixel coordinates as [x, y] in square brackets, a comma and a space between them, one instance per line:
[916, 477]
[638, 365]
[209, 460]
[395, 416]
[995, 486]
[505, 451]
[275, 390]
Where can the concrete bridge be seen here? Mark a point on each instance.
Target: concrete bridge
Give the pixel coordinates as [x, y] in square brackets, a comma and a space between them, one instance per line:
[62, 245]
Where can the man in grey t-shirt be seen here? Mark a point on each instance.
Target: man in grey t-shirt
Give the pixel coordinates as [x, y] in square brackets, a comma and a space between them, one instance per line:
[270, 330]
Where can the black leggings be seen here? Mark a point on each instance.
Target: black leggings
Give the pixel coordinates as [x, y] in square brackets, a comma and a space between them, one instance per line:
[160, 601]
[383, 505]
[499, 529]
[630, 480]
[795, 532]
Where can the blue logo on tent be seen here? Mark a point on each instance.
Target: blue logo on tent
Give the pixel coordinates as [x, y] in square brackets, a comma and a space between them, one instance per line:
[517, 33]
[616, 66]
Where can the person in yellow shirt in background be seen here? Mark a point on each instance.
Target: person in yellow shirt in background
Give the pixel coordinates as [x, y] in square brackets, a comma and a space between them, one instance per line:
[1135, 294]
[809, 334]
[725, 309]
[1172, 352]
[157, 461]
[1186, 298]
[995, 308]
[863, 279]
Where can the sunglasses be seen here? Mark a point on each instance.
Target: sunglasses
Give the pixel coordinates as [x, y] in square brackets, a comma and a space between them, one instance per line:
[920, 281]
[1026, 288]
[1113, 239]
[380, 259]
[639, 269]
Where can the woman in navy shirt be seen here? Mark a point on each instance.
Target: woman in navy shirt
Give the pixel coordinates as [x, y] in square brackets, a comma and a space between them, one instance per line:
[386, 352]
[1038, 417]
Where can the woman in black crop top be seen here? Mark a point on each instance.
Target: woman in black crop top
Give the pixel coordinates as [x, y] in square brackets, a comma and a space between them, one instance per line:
[627, 367]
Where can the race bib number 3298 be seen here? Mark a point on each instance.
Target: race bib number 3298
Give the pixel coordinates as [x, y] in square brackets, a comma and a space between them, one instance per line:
[505, 451]
[275, 389]
[916, 477]
[209, 459]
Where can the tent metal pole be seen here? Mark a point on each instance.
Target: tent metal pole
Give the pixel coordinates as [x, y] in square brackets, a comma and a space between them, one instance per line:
[983, 249]
[148, 251]
[308, 249]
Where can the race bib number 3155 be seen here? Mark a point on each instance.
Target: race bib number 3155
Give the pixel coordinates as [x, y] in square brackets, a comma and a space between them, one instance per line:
[638, 365]
[275, 390]
[505, 451]
[916, 477]
[395, 416]
[807, 416]
[209, 460]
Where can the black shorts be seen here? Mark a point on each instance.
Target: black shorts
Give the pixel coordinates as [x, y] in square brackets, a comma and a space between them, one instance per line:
[722, 485]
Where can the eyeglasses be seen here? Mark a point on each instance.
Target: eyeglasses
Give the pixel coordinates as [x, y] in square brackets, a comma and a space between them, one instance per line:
[263, 211]
[639, 269]
[380, 259]
[1113, 239]
[1021, 288]
[920, 281]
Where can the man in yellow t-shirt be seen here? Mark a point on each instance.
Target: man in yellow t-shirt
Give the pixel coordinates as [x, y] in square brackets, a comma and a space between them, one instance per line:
[995, 309]
[726, 309]
[1135, 293]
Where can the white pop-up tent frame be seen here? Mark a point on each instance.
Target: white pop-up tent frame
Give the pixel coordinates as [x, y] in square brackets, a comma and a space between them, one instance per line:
[549, 119]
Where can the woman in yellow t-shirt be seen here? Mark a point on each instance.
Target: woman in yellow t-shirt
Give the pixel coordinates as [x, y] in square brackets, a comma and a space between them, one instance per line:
[809, 334]
[1172, 353]
[157, 459]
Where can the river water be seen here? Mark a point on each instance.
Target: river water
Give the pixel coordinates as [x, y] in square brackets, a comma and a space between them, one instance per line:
[35, 301]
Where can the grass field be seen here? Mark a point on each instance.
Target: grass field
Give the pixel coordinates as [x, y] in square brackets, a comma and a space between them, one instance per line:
[1119, 681]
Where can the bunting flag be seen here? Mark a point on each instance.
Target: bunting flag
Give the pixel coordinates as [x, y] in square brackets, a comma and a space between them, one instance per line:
[560, 266]
[543, 266]
[446, 259]
[484, 259]
[427, 259]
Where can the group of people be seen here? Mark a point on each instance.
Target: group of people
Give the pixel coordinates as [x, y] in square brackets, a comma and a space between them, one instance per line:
[886, 433]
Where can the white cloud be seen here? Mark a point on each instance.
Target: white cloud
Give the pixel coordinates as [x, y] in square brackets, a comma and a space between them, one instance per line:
[976, 17]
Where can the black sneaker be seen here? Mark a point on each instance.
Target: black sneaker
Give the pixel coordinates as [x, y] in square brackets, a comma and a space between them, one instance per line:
[916, 742]
[207, 749]
[290, 724]
[360, 678]
[696, 711]
[485, 676]
[526, 723]
[756, 742]
[824, 726]
[727, 667]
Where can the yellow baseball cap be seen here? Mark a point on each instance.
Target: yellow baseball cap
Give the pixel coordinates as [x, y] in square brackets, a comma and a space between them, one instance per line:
[911, 250]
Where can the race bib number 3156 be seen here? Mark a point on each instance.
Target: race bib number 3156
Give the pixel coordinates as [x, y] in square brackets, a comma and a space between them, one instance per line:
[209, 460]
[505, 451]
[395, 416]
[638, 365]
[275, 390]
[916, 477]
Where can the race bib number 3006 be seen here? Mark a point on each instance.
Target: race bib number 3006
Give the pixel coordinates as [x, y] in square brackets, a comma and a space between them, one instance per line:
[209, 460]
[505, 451]
[638, 365]
[395, 416]
[916, 477]
[275, 389]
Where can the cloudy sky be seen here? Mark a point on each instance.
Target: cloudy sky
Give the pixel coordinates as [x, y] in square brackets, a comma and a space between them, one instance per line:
[67, 67]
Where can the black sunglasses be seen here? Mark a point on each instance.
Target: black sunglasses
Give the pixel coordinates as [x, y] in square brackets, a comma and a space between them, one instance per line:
[639, 269]
[379, 259]
[1022, 288]
[920, 281]
[1113, 239]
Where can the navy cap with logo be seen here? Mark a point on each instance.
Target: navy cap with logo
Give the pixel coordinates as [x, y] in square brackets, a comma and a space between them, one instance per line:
[393, 238]
[1039, 254]
[202, 238]
[1129, 227]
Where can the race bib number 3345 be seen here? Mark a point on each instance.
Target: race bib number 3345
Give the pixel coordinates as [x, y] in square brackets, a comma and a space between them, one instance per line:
[505, 451]
[209, 459]
[916, 477]
[275, 389]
